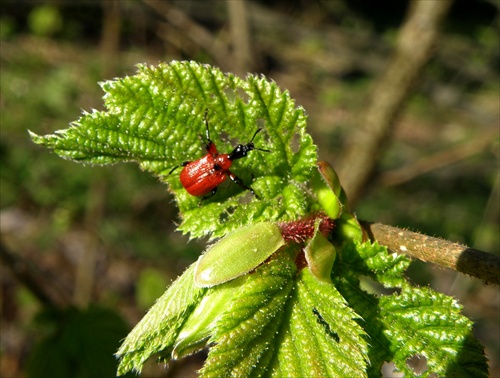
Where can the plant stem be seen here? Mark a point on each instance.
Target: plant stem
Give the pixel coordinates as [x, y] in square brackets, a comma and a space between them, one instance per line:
[444, 253]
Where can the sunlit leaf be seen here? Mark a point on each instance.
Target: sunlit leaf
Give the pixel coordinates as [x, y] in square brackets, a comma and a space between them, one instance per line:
[155, 118]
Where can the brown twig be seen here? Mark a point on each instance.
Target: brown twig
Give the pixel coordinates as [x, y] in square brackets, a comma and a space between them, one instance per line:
[110, 36]
[243, 58]
[196, 33]
[414, 47]
[444, 253]
[438, 160]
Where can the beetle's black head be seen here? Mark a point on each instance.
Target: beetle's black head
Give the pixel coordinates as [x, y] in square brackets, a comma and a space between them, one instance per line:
[241, 150]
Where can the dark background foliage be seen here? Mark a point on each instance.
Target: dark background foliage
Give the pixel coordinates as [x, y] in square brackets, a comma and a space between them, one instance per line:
[105, 236]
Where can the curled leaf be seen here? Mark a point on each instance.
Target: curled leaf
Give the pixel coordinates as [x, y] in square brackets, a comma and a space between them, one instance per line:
[320, 255]
[238, 253]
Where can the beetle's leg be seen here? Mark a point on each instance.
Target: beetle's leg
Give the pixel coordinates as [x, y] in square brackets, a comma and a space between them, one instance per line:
[212, 193]
[238, 181]
[177, 166]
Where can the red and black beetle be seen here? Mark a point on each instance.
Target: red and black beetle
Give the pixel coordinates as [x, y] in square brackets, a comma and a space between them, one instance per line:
[204, 175]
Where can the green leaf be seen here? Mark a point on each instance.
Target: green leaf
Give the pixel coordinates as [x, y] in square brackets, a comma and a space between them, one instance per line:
[271, 322]
[158, 330]
[367, 306]
[48, 358]
[199, 326]
[156, 117]
[282, 325]
[80, 344]
[410, 322]
[322, 338]
[279, 322]
[238, 253]
[245, 334]
[347, 229]
[320, 255]
[329, 192]
[422, 322]
[150, 285]
[373, 260]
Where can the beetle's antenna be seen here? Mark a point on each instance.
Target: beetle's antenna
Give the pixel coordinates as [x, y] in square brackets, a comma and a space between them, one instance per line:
[251, 142]
[205, 117]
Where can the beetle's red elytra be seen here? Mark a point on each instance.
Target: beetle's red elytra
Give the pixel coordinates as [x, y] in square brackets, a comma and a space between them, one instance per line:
[203, 176]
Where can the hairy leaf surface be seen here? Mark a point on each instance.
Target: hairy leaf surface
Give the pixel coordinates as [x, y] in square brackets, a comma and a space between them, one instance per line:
[156, 118]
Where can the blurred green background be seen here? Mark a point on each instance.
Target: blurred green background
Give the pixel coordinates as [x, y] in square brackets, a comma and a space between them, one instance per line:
[101, 241]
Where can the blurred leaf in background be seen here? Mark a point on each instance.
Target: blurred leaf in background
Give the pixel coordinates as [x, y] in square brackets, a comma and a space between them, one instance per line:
[150, 286]
[77, 344]
[45, 20]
